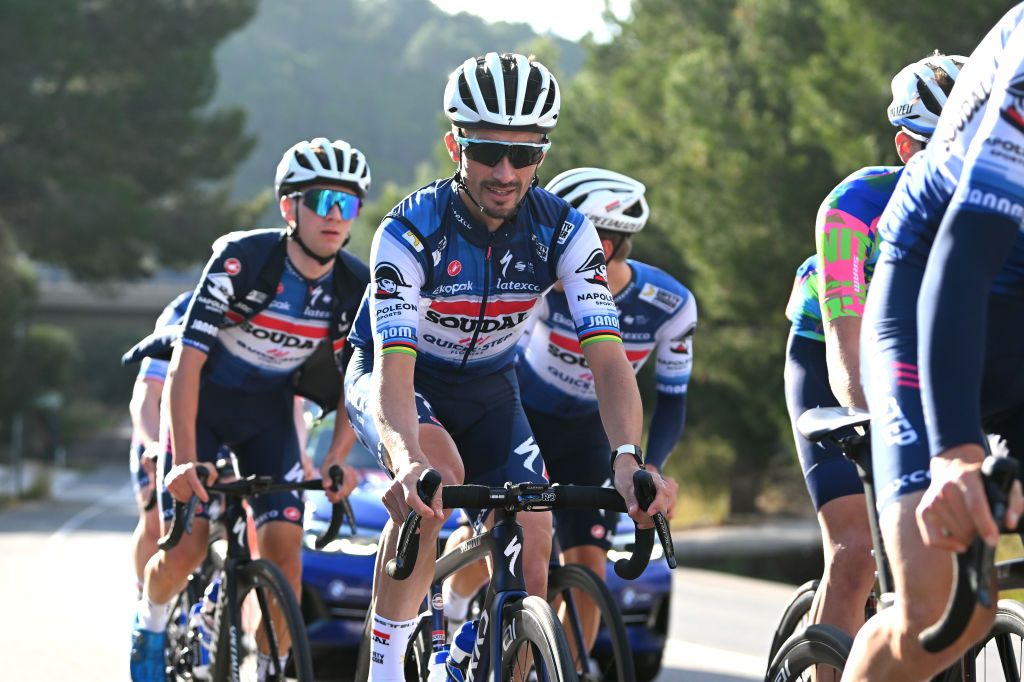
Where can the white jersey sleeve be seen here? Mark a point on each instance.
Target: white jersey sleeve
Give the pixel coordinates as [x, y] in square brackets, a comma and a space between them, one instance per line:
[584, 274]
[394, 293]
[674, 355]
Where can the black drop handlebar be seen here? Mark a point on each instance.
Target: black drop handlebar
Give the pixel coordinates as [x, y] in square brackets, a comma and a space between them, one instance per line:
[536, 497]
[974, 566]
[260, 485]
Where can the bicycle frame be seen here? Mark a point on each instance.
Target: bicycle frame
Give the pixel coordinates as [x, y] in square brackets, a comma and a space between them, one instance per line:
[503, 543]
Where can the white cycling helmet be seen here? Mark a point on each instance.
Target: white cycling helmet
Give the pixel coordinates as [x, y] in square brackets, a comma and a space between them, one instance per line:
[611, 200]
[308, 163]
[917, 97]
[506, 91]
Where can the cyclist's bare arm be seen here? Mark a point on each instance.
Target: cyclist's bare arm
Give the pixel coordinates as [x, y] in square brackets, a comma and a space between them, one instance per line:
[144, 409]
[398, 424]
[183, 394]
[342, 440]
[842, 351]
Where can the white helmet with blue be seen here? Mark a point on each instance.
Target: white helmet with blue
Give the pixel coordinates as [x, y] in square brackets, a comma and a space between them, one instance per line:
[918, 96]
[611, 200]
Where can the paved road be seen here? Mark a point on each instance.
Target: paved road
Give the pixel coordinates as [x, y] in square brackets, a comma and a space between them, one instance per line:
[68, 590]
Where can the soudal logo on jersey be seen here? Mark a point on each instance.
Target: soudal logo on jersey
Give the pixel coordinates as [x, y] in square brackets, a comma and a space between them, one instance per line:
[466, 315]
[280, 339]
[596, 268]
[387, 279]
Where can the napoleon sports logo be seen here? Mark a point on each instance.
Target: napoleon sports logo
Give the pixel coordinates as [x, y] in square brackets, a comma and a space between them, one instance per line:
[388, 278]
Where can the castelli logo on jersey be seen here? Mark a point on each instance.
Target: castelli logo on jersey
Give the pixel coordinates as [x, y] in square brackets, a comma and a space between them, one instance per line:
[232, 266]
[454, 268]
[280, 288]
[292, 513]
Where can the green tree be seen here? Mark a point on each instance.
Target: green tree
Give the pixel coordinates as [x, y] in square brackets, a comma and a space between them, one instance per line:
[112, 160]
[740, 115]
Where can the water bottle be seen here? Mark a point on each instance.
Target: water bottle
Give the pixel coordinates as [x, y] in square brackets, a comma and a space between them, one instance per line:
[201, 620]
[461, 651]
[436, 669]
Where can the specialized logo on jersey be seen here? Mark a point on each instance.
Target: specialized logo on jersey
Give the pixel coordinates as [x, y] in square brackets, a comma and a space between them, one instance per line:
[232, 266]
[660, 298]
[597, 268]
[388, 279]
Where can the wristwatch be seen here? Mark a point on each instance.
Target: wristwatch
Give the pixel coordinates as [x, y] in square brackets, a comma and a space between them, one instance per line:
[633, 451]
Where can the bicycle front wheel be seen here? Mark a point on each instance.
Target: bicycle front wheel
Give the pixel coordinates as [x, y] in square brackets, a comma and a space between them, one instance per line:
[533, 641]
[999, 655]
[262, 591]
[587, 586]
[824, 648]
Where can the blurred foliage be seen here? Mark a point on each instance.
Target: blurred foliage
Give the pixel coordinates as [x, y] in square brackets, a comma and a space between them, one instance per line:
[371, 72]
[112, 160]
[740, 116]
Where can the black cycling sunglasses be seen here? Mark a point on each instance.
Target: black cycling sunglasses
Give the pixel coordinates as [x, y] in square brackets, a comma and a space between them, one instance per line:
[491, 152]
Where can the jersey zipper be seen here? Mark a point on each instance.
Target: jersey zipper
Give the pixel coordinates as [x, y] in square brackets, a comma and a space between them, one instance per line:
[483, 305]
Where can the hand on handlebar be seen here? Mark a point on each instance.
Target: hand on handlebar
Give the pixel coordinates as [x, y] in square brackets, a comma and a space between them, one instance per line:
[664, 499]
[402, 495]
[182, 481]
[954, 508]
[348, 481]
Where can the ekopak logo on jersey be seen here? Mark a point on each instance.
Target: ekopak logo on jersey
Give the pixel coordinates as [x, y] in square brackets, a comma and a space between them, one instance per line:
[596, 267]
[388, 278]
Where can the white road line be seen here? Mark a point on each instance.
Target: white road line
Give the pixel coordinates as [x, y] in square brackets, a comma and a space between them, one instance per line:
[700, 657]
[92, 511]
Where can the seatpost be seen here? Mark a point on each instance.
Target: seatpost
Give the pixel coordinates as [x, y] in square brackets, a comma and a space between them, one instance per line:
[859, 452]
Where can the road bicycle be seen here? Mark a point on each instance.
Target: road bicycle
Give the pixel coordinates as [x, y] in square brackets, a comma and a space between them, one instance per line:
[825, 648]
[224, 647]
[517, 634]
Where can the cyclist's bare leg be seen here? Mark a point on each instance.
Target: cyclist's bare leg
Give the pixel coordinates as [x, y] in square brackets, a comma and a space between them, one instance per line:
[594, 558]
[144, 539]
[469, 578]
[281, 544]
[400, 600]
[167, 571]
[849, 565]
[886, 648]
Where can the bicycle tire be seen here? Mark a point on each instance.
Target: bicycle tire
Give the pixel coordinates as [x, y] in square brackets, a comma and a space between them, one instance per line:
[262, 578]
[1009, 624]
[813, 646]
[531, 623]
[796, 610]
[620, 667]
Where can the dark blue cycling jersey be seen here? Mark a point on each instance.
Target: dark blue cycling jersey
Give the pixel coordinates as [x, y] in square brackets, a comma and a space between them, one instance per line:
[658, 316]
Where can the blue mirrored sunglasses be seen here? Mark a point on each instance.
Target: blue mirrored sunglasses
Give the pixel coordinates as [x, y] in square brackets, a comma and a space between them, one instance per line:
[322, 200]
[491, 152]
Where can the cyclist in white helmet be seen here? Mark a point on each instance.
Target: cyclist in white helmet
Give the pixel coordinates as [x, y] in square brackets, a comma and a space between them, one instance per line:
[267, 300]
[658, 316]
[823, 350]
[457, 267]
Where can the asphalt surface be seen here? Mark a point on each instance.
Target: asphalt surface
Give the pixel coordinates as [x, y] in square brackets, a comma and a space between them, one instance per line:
[68, 591]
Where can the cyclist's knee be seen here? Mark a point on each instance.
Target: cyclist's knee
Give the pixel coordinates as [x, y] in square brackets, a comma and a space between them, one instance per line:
[537, 533]
[591, 556]
[851, 565]
[182, 559]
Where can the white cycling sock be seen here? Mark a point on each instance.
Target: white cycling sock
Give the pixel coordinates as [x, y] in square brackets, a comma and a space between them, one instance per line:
[263, 665]
[153, 617]
[456, 606]
[388, 642]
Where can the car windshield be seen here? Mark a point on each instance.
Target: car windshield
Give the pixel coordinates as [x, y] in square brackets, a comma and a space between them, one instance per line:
[320, 441]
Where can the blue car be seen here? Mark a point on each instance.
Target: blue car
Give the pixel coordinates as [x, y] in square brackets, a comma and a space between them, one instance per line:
[337, 581]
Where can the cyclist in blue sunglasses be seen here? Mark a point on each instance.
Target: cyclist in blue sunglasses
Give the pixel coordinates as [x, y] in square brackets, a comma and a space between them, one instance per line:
[268, 320]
